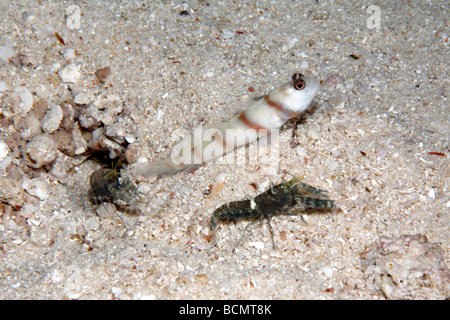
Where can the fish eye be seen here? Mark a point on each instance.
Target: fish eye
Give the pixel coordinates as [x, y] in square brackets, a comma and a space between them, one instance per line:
[297, 76]
[299, 84]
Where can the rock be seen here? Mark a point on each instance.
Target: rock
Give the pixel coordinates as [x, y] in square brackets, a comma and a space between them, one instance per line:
[71, 142]
[70, 74]
[68, 116]
[88, 118]
[94, 142]
[64, 142]
[115, 132]
[82, 98]
[40, 108]
[108, 107]
[5, 163]
[227, 34]
[60, 166]
[69, 54]
[52, 119]
[42, 150]
[11, 191]
[36, 187]
[100, 142]
[28, 210]
[4, 150]
[78, 139]
[407, 267]
[103, 73]
[218, 184]
[327, 271]
[129, 137]
[33, 126]
[114, 148]
[102, 110]
[132, 153]
[25, 101]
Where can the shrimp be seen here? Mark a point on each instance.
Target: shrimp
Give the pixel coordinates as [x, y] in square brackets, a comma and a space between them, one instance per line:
[107, 186]
[272, 202]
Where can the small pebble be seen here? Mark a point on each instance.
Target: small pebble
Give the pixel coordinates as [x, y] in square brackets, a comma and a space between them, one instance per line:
[326, 271]
[52, 119]
[116, 132]
[28, 210]
[33, 127]
[40, 107]
[42, 149]
[11, 191]
[70, 74]
[116, 291]
[301, 151]
[218, 184]
[4, 150]
[103, 73]
[36, 187]
[82, 98]
[26, 100]
[257, 244]
[87, 118]
[69, 54]
[131, 154]
[5, 163]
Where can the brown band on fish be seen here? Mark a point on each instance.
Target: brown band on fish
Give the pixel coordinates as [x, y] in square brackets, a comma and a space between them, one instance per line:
[287, 114]
[250, 124]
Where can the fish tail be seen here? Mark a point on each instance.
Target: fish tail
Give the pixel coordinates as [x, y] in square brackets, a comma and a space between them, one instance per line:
[160, 168]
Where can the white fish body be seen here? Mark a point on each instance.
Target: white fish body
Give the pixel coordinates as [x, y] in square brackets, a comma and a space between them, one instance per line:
[268, 113]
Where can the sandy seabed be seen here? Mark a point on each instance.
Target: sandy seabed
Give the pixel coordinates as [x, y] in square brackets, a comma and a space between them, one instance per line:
[376, 138]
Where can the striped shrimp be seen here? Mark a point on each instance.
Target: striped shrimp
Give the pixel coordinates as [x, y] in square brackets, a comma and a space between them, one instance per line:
[272, 202]
[262, 116]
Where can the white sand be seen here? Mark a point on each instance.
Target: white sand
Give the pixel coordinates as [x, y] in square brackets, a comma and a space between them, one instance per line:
[368, 142]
